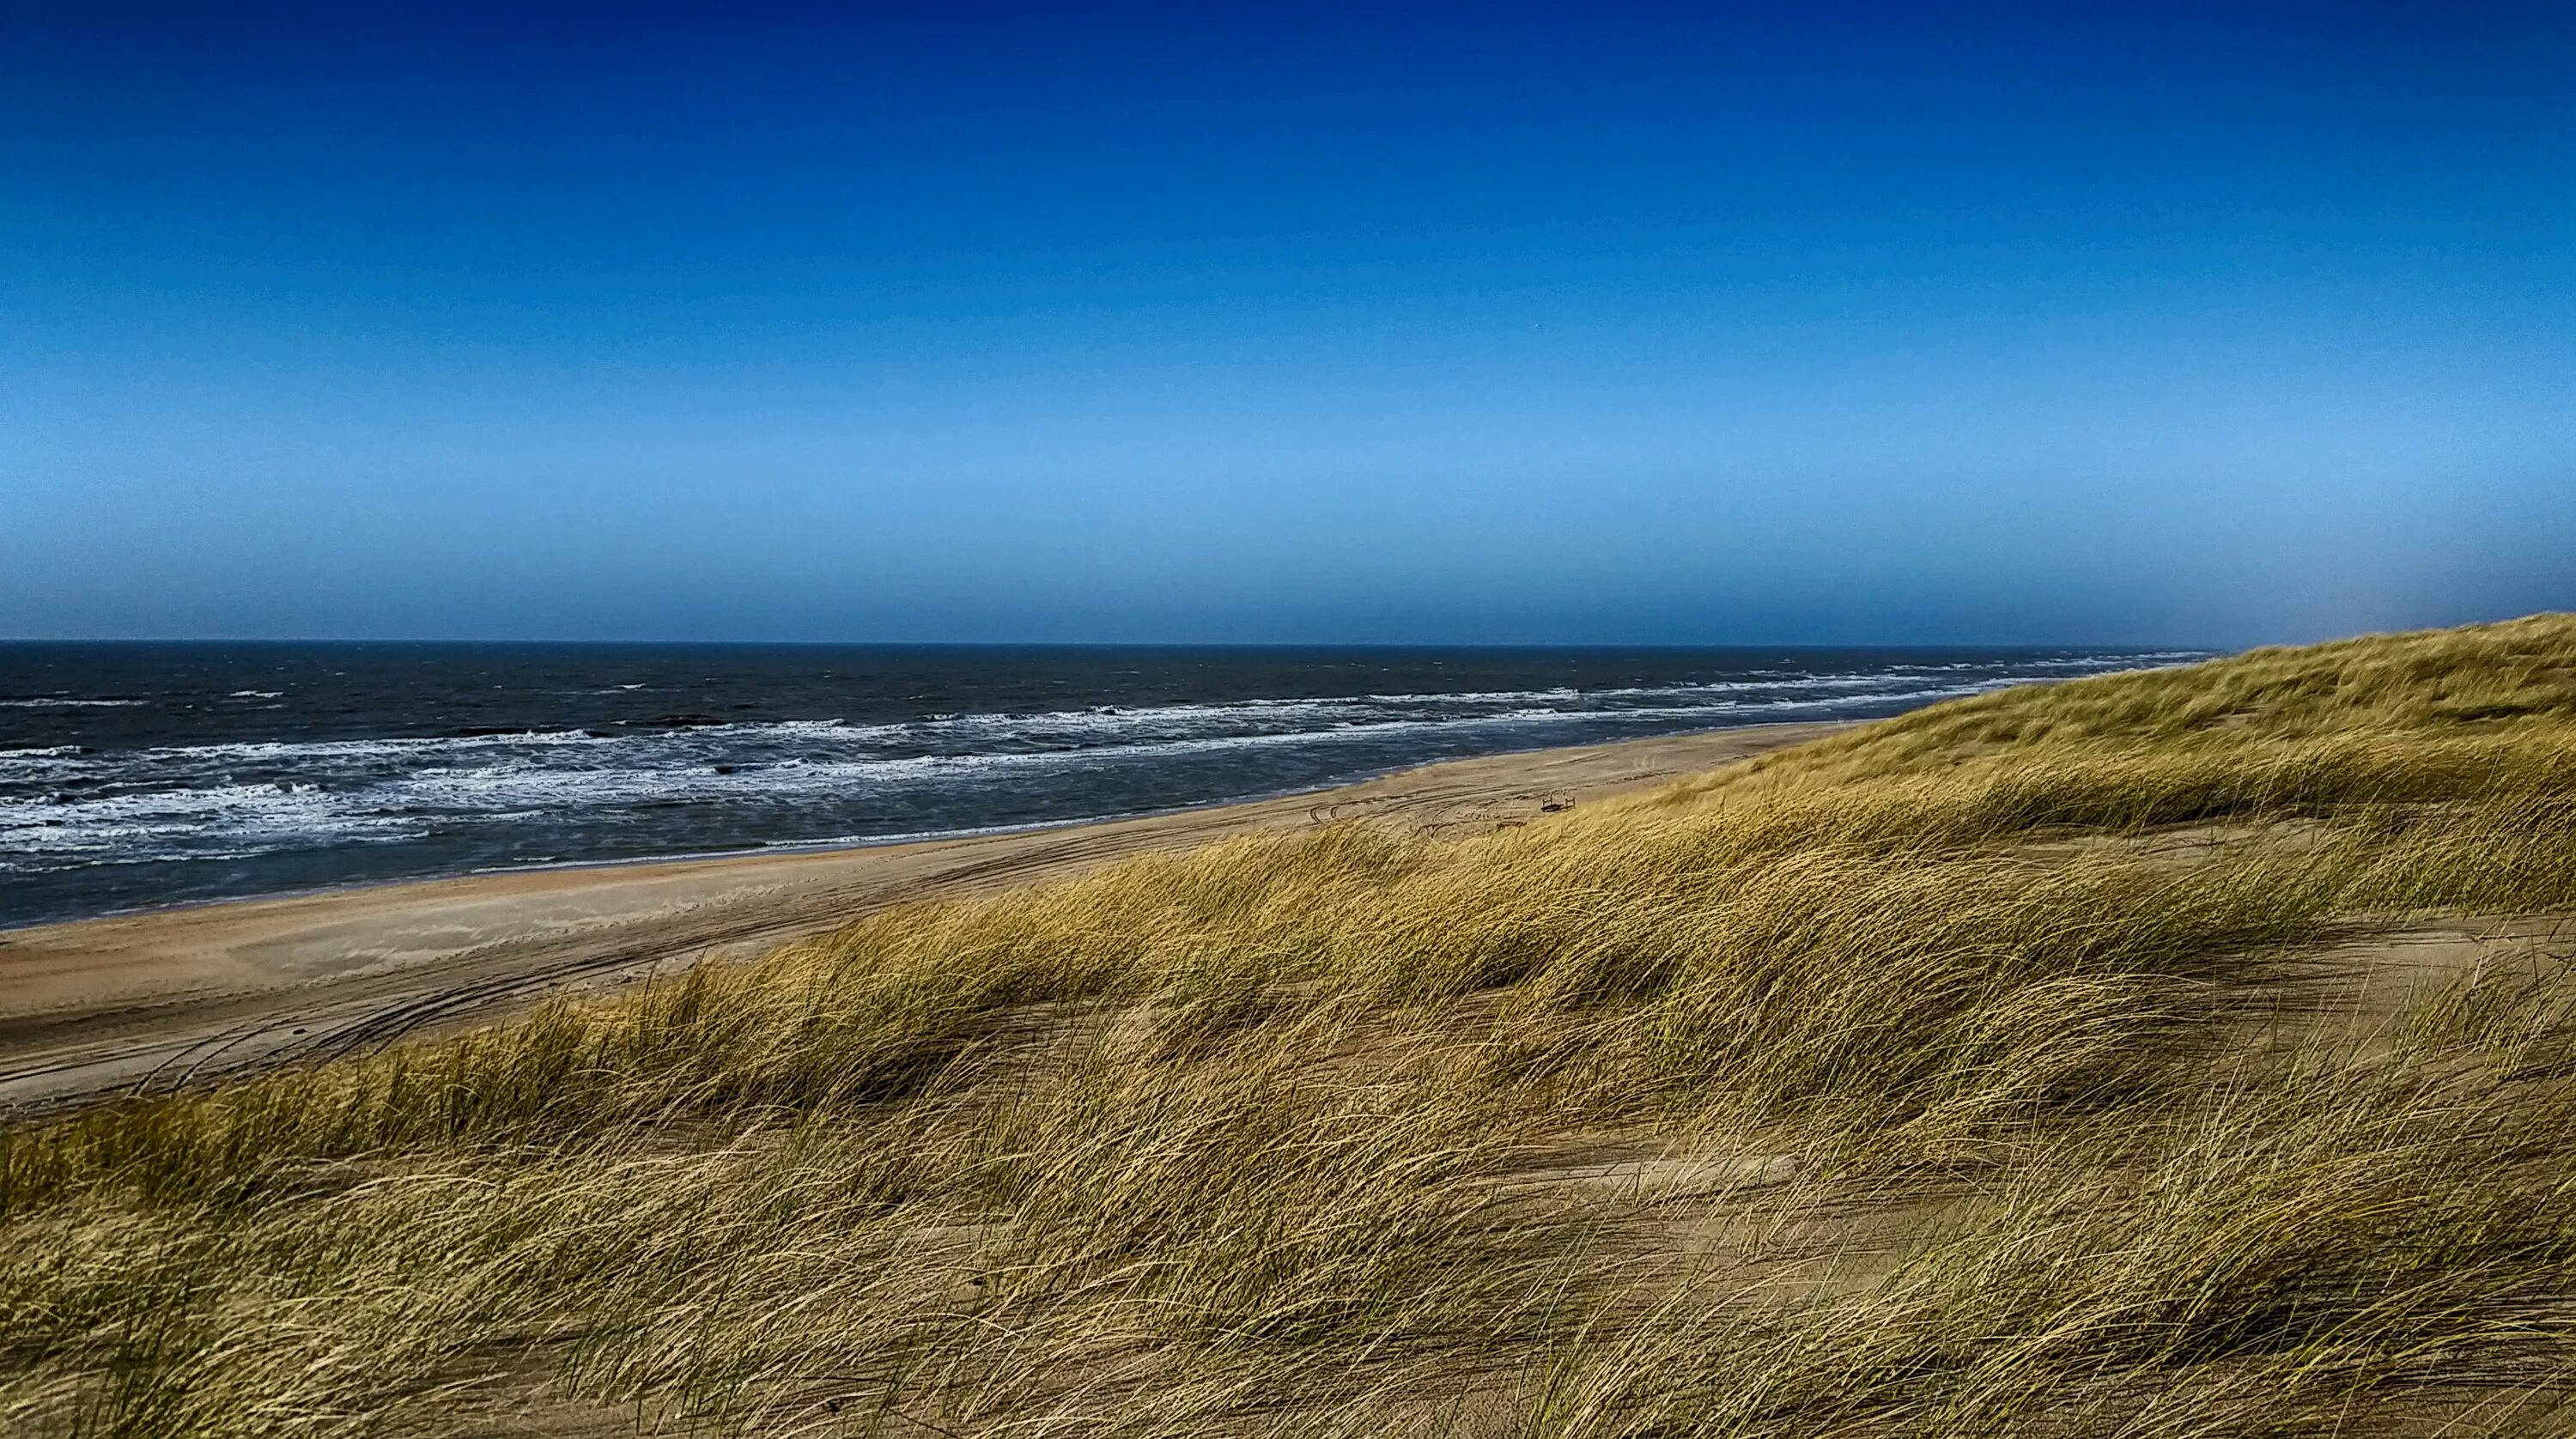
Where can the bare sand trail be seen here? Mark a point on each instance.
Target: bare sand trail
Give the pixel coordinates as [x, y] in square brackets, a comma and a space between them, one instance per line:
[167, 997]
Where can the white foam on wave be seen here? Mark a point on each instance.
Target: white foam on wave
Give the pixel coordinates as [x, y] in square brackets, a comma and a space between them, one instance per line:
[409, 748]
[40, 702]
[228, 821]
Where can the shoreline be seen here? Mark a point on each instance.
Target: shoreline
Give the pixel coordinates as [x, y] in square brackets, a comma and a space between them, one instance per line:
[787, 849]
[172, 995]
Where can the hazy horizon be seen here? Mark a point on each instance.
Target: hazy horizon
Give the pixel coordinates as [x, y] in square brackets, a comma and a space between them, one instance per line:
[1356, 646]
[1553, 326]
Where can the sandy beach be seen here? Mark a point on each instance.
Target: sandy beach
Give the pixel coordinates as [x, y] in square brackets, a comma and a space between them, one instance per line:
[167, 997]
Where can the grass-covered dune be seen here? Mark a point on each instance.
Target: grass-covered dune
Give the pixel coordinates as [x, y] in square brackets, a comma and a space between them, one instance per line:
[2172, 1053]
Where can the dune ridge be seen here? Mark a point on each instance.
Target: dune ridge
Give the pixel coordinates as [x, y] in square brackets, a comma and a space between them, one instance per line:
[2180, 1052]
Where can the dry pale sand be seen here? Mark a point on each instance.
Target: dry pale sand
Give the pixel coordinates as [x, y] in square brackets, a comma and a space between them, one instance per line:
[162, 998]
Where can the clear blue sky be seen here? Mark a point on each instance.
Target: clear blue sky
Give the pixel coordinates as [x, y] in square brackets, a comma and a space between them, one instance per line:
[1557, 324]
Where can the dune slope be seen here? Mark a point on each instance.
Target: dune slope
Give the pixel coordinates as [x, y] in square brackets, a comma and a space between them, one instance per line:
[2183, 1052]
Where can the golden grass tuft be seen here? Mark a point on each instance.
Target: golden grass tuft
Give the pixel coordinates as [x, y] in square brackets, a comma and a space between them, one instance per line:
[1961, 1074]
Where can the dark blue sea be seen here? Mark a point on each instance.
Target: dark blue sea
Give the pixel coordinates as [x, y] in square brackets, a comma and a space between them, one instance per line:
[136, 775]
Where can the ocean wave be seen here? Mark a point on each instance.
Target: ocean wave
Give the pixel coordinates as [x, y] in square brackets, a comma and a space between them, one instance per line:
[398, 748]
[252, 817]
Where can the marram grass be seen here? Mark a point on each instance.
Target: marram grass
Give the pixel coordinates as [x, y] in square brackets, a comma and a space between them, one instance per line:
[1963, 1074]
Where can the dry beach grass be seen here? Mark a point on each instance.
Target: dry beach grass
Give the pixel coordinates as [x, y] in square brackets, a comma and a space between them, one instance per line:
[2171, 1053]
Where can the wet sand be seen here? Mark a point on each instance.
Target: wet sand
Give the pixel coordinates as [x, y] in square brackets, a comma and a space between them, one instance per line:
[168, 997]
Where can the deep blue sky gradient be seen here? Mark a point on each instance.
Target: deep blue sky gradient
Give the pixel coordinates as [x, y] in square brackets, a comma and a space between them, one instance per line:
[1208, 323]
